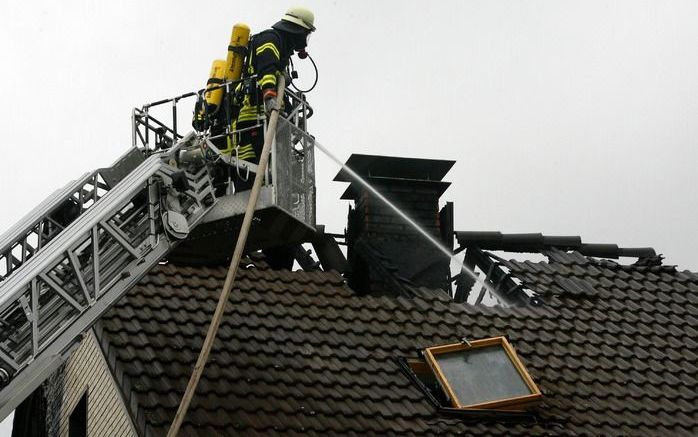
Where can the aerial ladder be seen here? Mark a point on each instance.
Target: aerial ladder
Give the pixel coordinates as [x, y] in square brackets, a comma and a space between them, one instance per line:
[72, 257]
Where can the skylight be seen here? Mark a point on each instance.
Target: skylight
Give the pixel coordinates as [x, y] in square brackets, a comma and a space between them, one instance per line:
[483, 374]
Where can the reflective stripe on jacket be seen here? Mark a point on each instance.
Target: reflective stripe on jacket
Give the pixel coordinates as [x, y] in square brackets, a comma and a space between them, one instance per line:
[268, 57]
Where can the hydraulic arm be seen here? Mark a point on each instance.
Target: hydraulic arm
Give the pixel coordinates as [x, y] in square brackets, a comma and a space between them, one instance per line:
[63, 273]
[72, 257]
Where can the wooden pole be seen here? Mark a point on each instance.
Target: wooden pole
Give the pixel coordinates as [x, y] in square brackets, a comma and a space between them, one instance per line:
[232, 269]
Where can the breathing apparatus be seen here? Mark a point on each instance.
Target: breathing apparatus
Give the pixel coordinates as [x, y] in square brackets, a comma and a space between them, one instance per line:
[222, 71]
[300, 24]
[302, 54]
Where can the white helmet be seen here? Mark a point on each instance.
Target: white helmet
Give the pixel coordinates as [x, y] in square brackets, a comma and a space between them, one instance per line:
[300, 16]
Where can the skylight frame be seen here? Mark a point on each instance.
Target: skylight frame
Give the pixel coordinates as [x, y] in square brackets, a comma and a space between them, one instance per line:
[518, 403]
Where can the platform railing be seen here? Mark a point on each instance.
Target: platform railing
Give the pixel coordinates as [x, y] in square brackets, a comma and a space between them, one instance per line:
[292, 171]
[153, 132]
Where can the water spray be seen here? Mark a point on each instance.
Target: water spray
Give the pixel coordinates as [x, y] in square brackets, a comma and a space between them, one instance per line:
[452, 257]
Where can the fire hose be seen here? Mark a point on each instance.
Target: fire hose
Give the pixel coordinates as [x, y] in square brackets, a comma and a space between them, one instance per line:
[232, 269]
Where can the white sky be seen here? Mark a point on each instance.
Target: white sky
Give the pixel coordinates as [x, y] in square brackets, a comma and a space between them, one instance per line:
[566, 117]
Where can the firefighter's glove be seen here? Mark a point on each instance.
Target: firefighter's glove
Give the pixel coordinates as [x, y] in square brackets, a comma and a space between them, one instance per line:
[270, 105]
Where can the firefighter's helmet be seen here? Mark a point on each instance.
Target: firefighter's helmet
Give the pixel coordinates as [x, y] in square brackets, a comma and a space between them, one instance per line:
[297, 20]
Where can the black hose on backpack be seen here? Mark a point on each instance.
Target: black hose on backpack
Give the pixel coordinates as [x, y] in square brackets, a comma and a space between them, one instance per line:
[317, 76]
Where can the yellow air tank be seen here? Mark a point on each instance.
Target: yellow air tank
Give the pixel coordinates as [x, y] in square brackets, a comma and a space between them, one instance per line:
[239, 39]
[217, 77]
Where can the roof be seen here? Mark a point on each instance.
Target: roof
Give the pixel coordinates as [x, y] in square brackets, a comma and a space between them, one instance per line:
[613, 350]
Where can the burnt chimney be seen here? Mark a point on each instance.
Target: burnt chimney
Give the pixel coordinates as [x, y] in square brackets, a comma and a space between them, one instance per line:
[386, 255]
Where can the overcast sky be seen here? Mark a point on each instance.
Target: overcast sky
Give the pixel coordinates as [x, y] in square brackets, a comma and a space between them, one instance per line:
[565, 117]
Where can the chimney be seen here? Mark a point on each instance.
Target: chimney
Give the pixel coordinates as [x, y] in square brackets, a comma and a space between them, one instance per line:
[386, 255]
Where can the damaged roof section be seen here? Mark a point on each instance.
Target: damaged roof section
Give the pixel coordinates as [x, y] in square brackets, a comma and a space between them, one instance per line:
[301, 352]
[539, 243]
[507, 288]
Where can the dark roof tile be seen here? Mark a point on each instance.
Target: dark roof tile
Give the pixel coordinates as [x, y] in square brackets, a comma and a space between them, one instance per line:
[301, 353]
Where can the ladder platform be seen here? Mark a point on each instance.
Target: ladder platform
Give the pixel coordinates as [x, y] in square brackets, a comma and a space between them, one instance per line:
[213, 240]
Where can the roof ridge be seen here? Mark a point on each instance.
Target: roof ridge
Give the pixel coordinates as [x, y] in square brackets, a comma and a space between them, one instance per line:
[538, 243]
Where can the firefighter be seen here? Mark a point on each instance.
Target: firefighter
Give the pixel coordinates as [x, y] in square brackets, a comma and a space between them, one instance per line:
[269, 54]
